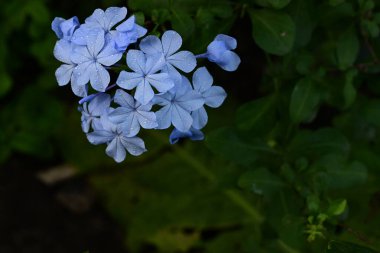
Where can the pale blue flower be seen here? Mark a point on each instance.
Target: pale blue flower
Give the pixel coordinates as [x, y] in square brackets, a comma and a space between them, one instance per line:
[177, 105]
[219, 51]
[168, 46]
[212, 95]
[64, 29]
[127, 33]
[145, 76]
[64, 74]
[192, 134]
[92, 111]
[118, 143]
[131, 114]
[92, 58]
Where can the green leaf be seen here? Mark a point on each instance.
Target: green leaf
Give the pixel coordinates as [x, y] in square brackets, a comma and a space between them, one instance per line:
[261, 181]
[182, 23]
[319, 143]
[229, 145]
[257, 116]
[300, 11]
[337, 207]
[273, 31]
[347, 48]
[347, 247]
[5, 84]
[304, 101]
[349, 91]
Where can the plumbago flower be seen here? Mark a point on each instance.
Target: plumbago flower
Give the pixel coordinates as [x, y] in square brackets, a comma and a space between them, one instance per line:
[154, 91]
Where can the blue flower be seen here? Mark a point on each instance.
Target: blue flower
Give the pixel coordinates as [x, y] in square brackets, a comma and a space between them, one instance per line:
[91, 58]
[177, 106]
[64, 74]
[92, 111]
[192, 134]
[127, 33]
[131, 115]
[213, 96]
[64, 29]
[118, 143]
[219, 51]
[171, 43]
[144, 76]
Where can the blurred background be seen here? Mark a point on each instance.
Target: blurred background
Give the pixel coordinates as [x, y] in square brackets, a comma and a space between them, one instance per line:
[290, 162]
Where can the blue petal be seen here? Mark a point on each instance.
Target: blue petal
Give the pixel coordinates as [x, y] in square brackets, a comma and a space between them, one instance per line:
[100, 137]
[144, 93]
[129, 80]
[116, 150]
[136, 61]
[191, 101]
[124, 99]
[127, 25]
[79, 36]
[229, 41]
[135, 146]
[81, 73]
[64, 73]
[202, 80]
[151, 45]
[80, 55]
[181, 118]
[229, 61]
[99, 77]
[63, 50]
[173, 73]
[215, 50]
[183, 60]
[214, 96]
[114, 15]
[95, 41]
[99, 104]
[79, 90]
[68, 27]
[55, 26]
[163, 99]
[193, 134]
[146, 119]
[109, 56]
[171, 42]
[164, 117]
[130, 125]
[200, 118]
[154, 63]
[160, 81]
[119, 115]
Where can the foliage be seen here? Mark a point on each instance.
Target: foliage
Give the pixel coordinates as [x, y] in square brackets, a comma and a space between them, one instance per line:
[290, 162]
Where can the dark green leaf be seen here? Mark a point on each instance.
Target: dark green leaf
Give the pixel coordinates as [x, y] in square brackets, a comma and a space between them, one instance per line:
[347, 48]
[347, 247]
[273, 31]
[304, 101]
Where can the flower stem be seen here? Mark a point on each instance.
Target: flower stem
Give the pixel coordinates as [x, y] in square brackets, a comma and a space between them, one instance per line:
[199, 56]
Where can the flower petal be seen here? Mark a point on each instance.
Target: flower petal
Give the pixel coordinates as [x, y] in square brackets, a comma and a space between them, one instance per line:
[127, 25]
[79, 90]
[134, 145]
[99, 104]
[80, 54]
[191, 101]
[136, 60]
[151, 45]
[183, 60]
[146, 119]
[63, 50]
[114, 15]
[154, 63]
[124, 99]
[200, 118]
[181, 118]
[100, 137]
[202, 80]
[116, 150]
[163, 117]
[229, 41]
[229, 61]
[144, 93]
[129, 80]
[109, 56]
[55, 26]
[99, 78]
[95, 41]
[214, 96]
[171, 42]
[119, 115]
[81, 73]
[160, 81]
[64, 73]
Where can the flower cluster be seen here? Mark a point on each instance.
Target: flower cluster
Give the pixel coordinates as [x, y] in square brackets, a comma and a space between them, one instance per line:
[113, 112]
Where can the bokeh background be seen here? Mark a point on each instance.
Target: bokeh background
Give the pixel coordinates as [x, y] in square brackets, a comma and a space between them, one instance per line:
[290, 162]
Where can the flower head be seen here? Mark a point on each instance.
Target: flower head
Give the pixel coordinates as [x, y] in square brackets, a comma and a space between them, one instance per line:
[92, 111]
[219, 51]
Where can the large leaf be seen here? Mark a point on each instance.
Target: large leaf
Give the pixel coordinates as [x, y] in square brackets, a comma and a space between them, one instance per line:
[347, 48]
[273, 31]
[304, 101]
[347, 247]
